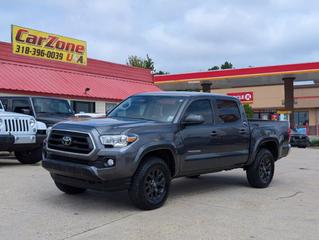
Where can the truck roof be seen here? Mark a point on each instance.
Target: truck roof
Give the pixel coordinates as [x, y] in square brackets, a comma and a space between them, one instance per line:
[184, 94]
[28, 96]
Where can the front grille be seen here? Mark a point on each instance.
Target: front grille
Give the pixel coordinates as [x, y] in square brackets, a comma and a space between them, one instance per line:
[79, 142]
[16, 125]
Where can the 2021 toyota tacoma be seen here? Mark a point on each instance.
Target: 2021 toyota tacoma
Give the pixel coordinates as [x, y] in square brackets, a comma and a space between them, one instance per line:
[151, 138]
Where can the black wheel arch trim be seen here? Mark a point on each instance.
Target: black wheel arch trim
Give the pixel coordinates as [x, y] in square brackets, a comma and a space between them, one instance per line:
[146, 149]
[254, 150]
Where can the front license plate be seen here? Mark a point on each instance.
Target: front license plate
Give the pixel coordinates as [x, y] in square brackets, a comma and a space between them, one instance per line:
[24, 139]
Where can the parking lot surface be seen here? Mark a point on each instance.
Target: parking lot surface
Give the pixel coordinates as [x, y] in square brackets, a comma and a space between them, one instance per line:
[215, 206]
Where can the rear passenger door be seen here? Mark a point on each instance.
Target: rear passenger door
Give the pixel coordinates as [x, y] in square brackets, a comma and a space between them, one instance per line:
[231, 132]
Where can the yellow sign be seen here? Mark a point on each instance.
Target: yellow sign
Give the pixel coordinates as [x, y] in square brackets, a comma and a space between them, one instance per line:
[33, 43]
[283, 112]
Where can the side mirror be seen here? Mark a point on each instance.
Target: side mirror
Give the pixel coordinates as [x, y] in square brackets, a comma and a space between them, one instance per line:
[193, 119]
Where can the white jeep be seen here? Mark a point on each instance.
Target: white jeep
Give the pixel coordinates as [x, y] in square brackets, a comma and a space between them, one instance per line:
[21, 134]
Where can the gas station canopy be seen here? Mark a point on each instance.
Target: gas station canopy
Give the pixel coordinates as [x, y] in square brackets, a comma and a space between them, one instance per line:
[243, 77]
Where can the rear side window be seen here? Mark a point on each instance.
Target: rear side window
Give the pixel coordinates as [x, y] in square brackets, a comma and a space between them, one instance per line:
[228, 111]
[201, 107]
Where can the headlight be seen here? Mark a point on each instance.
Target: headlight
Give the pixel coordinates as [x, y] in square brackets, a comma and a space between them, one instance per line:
[117, 140]
[32, 122]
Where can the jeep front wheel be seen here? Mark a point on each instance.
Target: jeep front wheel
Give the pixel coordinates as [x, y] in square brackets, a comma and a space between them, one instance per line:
[151, 183]
[29, 157]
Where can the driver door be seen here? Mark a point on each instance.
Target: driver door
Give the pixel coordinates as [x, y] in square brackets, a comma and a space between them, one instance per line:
[197, 139]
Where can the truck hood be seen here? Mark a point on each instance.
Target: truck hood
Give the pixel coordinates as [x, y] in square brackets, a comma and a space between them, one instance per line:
[107, 125]
[53, 119]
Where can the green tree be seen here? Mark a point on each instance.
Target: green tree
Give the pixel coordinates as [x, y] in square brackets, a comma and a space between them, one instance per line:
[160, 72]
[213, 68]
[149, 63]
[136, 61]
[249, 111]
[226, 65]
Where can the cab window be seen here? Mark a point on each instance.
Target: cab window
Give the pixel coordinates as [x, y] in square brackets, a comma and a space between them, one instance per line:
[227, 111]
[201, 107]
[21, 106]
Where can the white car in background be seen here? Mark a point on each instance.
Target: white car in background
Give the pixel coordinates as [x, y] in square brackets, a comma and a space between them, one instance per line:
[21, 134]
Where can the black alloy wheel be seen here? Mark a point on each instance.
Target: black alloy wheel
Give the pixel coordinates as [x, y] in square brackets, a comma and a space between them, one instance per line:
[265, 168]
[150, 184]
[261, 171]
[155, 185]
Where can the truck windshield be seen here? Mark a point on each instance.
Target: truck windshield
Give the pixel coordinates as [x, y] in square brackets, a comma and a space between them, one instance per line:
[52, 106]
[1, 107]
[155, 108]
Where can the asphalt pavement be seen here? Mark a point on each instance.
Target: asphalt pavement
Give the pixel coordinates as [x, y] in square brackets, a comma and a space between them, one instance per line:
[215, 206]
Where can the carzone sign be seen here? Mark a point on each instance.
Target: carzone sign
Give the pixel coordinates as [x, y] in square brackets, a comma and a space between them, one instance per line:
[244, 97]
[33, 43]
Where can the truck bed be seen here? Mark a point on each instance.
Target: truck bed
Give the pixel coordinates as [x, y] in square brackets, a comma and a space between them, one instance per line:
[271, 129]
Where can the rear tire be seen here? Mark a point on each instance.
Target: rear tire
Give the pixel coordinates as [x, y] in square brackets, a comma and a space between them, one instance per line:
[150, 185]
[69, 189]
[261, 172]
[29, 157]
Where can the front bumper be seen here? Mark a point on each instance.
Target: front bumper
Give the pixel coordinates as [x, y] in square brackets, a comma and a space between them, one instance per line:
[90, 170]
[8, 143]
[84, 176]
[300, 142]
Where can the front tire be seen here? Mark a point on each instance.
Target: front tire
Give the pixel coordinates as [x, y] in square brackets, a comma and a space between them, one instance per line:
[69, 189]
[261, 172]
[29, 157]
[150, 185]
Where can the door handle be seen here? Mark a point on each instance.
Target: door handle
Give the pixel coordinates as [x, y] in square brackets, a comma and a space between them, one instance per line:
[213, 133]
[242, 130]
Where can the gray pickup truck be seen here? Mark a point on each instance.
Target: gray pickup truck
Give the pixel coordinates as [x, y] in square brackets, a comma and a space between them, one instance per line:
[151, 138]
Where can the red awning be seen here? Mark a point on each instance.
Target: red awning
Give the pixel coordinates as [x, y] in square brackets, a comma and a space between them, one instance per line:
[33, 79]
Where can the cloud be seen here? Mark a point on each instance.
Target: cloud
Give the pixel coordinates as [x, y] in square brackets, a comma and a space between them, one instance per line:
[181, 36]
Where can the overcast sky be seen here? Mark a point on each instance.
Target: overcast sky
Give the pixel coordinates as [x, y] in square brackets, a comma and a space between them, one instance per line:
[180, 35]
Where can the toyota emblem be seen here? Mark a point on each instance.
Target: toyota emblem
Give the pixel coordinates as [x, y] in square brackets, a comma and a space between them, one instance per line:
[66, 141]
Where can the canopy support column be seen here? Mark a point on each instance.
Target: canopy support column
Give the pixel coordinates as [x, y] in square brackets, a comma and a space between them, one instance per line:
[289, 98]
[206, 86]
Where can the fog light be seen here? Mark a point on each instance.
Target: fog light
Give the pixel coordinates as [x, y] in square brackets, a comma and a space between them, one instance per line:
[110, 162]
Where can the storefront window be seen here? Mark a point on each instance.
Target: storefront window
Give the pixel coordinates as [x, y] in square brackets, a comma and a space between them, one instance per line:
[301, 118]
[85, 107]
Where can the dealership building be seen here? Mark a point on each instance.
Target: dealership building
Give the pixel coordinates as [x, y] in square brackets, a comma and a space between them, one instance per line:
[283, 92]
[95, 87]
